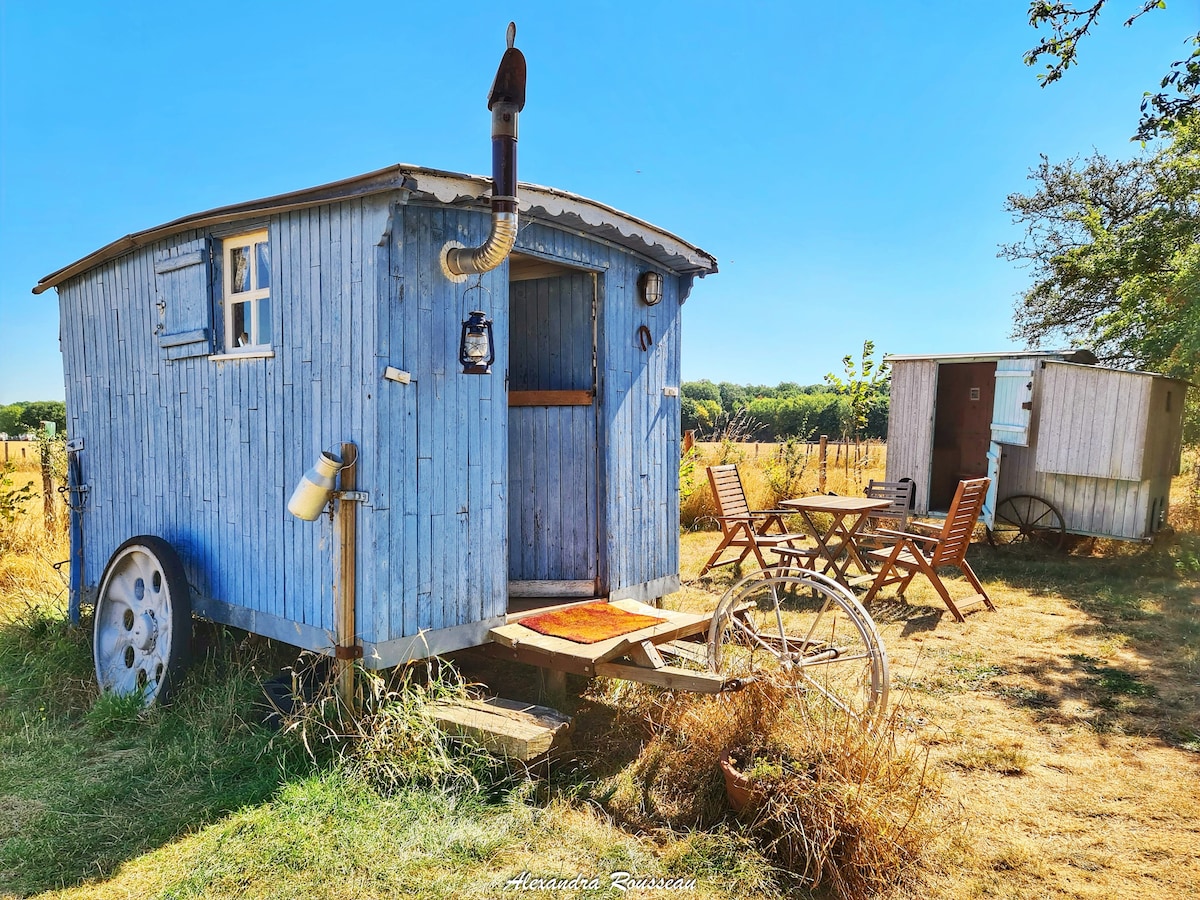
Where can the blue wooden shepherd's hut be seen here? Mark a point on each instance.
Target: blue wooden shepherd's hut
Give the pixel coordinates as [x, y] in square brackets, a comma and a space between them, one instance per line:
[209, 360]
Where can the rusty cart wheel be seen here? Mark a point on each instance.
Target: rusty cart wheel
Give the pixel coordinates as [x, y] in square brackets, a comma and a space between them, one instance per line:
[807, 632]
[1026, 520]
[143, 629]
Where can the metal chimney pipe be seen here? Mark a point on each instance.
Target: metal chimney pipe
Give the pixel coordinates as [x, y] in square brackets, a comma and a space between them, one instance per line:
[506, 99]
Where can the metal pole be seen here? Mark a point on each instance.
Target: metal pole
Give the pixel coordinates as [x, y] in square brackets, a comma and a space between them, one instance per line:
[344, 619]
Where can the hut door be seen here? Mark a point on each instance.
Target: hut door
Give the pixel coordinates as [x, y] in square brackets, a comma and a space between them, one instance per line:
[552, 448]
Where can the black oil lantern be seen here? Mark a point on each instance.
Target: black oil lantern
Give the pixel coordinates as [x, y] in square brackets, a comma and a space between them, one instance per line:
[476, 352]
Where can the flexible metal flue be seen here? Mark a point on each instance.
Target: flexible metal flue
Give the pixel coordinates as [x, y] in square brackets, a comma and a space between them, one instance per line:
[506, 99]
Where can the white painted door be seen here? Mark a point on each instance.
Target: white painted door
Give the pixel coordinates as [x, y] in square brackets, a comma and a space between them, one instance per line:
[1012, 409]
[988, 513]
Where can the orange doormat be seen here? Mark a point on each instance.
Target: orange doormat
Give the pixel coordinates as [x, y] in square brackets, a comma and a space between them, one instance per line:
[589, 622]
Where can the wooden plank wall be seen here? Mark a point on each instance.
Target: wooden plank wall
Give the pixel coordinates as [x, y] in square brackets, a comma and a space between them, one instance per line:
[438, 553]
[204, 453]
[1164, 428]
[910, 425]
[1092, 421]
[638, 430]
[552, 463]
[1101, 506]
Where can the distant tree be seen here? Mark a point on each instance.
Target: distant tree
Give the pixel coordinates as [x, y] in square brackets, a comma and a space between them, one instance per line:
[39, 411]
[1177, 102]
[733, 396]
[10, 418]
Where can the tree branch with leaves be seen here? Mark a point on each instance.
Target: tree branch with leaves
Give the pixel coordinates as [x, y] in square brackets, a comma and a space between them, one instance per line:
[1068, 25]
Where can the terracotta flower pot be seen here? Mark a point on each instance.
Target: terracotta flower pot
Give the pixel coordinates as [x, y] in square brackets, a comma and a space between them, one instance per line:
[737, 786]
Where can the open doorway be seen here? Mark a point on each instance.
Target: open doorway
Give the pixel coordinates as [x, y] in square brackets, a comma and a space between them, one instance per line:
[553, 466]
[962, 428]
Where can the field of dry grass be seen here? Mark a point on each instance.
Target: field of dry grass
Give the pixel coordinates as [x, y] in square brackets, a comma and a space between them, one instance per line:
[1063, 729]
[1065, 725]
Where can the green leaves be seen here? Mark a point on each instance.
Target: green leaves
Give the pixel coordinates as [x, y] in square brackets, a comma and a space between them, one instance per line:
[1160, 112]
[1114, 252]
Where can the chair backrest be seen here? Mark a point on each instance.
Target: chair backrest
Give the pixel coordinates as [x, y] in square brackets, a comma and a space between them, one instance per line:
[900, 493]
[960, 522]
[727, 491]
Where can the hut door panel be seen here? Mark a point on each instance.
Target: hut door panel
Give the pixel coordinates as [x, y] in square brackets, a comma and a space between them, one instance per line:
[552, 450]
[961, 428]
[1013, 407]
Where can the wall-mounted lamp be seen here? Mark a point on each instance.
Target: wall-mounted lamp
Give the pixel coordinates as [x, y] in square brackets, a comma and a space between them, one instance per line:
[650, 287]
[476, 351]
[315, 488]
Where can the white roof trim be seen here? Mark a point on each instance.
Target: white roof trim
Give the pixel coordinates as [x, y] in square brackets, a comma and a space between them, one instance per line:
[445, 187]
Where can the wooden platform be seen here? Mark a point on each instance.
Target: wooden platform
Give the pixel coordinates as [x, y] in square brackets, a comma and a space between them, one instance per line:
[505, 727]
[637, 656]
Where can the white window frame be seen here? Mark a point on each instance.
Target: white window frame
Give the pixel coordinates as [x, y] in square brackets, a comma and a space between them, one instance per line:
[251, 297]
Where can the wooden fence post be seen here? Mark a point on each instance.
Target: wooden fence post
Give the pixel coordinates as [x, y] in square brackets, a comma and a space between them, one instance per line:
[47, 485]
[822, 460]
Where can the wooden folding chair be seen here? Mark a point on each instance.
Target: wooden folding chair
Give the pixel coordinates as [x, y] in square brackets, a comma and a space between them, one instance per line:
[894, 517]
[741, 527]
[913, 553]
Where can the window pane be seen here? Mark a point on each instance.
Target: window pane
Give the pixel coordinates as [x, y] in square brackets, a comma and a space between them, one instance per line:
[239, 269]
[262, 270]
[237, 330]
[264, 321]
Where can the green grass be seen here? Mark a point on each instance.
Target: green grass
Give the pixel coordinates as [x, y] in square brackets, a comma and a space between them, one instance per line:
[100, 798]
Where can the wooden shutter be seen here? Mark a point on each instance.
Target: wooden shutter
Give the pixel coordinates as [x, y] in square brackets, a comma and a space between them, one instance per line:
[182, 284]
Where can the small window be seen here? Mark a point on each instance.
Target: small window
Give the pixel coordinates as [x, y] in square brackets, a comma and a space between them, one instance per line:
[247, 292]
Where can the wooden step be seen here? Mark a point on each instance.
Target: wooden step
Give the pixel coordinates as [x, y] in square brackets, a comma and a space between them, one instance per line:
[506, 728]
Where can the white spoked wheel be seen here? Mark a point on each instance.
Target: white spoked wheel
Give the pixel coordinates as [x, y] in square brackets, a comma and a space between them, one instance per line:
[143, 631]
[806, 631]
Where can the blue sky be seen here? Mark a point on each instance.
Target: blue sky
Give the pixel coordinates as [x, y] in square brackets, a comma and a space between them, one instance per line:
[847, 163]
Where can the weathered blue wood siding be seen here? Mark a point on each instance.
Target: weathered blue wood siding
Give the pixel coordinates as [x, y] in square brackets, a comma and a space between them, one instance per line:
[553, 465]
[204, 451]
[638, 426]
[440, 496]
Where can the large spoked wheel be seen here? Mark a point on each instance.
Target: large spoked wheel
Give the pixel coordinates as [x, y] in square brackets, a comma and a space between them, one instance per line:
[143, 632]
[807, 632]
[1026, 519]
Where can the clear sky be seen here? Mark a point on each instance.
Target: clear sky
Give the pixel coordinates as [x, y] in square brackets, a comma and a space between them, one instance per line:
[846, 163]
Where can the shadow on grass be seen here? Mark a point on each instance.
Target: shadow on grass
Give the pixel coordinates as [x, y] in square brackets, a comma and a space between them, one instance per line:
[1145, 599]
[89, 784]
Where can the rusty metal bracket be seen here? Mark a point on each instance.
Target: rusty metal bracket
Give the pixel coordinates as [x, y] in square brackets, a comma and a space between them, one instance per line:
[354, 651]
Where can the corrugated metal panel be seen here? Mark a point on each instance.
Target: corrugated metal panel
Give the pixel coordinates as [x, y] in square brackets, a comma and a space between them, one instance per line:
[910, 425]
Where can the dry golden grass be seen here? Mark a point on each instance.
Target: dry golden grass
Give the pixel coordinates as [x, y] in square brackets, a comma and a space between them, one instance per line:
[1065, 725]
[28, 554]
[832, 805]
[774, 472]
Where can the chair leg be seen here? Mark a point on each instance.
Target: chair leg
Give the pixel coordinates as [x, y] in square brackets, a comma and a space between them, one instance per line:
[971, 577]
[889, 565]
[712, 560]
[932, 575]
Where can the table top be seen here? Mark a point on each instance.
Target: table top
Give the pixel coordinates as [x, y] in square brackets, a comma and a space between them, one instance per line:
[830, 504]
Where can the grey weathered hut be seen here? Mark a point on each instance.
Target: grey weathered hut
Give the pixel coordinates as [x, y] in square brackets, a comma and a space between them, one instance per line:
[1096, 446]
[210, 359]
